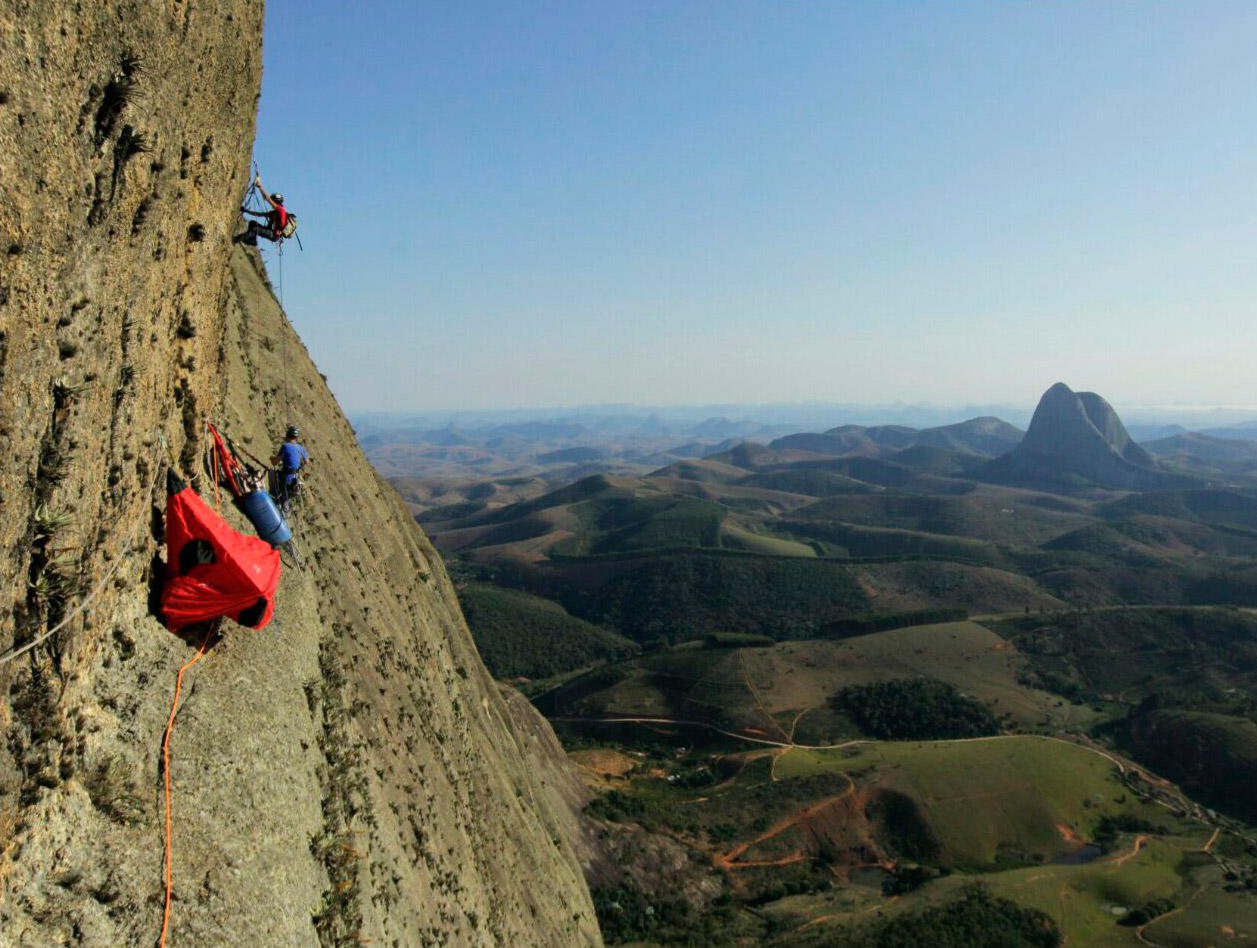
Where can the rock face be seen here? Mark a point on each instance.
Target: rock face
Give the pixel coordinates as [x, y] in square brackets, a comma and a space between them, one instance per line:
[349, 774]
[1076, 439]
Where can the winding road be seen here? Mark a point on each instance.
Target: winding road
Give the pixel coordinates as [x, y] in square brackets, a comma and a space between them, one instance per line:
[1122, 766]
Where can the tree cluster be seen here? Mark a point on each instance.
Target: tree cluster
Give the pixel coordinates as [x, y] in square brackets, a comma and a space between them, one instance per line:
[915, 709]
[976, 920]
[518, 635]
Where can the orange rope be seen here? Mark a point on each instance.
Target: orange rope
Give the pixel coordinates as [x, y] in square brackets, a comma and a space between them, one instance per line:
[165, 753]
[215, 459]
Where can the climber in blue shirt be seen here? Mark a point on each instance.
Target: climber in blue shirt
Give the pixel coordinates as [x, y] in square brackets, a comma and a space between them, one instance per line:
[290, 457]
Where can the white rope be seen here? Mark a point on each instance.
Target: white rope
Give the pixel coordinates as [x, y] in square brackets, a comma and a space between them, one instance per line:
[283, 337]
[122, 552]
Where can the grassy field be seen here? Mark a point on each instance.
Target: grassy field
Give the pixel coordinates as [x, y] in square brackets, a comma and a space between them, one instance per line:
[1210, 918]
[999, 514]
[795, 677]
[783, 692]
[734, 537]
[1002, 809]
[1085, 900]
[990, 799]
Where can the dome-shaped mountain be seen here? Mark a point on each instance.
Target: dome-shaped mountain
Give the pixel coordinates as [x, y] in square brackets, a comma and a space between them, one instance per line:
[747, 454]
[988, 435]
[1076, 438]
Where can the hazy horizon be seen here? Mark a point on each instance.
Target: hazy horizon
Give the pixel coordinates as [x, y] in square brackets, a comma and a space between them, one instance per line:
[956, 203]
[811, 415]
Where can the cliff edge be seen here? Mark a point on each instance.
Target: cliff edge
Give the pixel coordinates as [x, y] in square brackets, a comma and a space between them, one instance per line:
[349, 774]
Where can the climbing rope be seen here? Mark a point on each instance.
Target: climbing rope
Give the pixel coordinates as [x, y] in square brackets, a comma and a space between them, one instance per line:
[165, 755]
[121, 555]
[250, 196]
[215, 463]
[283, 335]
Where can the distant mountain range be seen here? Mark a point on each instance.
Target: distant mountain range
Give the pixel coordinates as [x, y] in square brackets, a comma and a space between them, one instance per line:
[1075, 440]
[620, 420]
[985, 437]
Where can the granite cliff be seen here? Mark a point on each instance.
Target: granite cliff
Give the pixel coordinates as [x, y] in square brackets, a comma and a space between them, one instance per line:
[347, 775]
[1076, 439]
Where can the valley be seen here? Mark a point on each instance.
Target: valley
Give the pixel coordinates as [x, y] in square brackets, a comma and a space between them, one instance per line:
[789, 620]
[857, 673]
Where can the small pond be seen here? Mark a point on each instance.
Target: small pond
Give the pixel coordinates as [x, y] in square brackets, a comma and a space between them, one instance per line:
[1080, 856]
[870, 876]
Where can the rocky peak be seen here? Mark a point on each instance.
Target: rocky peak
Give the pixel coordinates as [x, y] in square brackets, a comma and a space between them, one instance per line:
[1077, 437]
[1069, 422]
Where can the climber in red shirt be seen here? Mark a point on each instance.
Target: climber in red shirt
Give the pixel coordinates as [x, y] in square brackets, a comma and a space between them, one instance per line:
[279, 223]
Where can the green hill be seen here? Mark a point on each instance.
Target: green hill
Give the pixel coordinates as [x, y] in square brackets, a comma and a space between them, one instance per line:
[787, 690]
[1213, 756]
[991, 801]
[678, 595]
[1206, 506]
[988, 513]
[1127, 654]
[519, 635]
[858, 541]
[620, 524]
[809, 481]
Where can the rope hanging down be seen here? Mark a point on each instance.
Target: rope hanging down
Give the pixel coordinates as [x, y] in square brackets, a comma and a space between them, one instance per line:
[250, 196]
[165, 756]
[283, 336]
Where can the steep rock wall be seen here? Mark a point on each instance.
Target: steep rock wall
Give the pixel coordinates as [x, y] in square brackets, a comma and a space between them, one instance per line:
[349, 773]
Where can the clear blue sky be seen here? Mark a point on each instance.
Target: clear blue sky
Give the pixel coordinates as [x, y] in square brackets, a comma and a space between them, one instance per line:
[553, 203]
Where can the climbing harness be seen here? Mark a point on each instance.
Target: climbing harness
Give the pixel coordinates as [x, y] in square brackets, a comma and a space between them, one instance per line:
[254, 204]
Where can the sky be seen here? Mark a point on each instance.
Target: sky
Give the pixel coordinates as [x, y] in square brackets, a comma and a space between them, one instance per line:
[510, 205]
